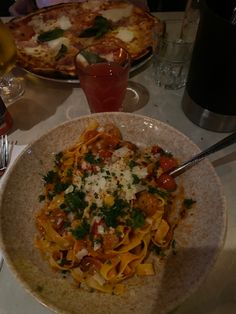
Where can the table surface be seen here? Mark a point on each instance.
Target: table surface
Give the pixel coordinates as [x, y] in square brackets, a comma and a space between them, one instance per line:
[46, 104]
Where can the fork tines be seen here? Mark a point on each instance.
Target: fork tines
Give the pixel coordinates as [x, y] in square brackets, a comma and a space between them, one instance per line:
[4, 152]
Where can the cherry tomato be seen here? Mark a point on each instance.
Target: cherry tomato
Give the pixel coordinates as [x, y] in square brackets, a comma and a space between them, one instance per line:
[167, 182]
[112, 130]
[111, 141]
[105, 154]
[167, 163]
[90, 134]
[155, 149]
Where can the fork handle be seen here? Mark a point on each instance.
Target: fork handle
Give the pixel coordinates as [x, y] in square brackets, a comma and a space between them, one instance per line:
[225, 142]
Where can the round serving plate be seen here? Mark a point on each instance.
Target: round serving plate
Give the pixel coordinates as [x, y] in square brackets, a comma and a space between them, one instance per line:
[137, 66]
[199, 236]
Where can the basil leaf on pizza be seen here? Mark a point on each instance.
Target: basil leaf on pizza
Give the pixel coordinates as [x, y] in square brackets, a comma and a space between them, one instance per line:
[92, 57]
[50, 35]
[61, 53]
[100, 27]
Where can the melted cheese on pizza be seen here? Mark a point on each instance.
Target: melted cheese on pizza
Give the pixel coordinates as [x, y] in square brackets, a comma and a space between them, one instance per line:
[125, 34]
[40, 26]
[116, 15]
[56, 44]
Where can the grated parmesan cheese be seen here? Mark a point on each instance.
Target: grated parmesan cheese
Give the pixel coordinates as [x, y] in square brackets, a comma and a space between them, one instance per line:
[115, 176]
[82, 253]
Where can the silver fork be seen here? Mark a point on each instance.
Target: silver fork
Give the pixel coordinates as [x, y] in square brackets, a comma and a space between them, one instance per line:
[4, 161]
[4, 153]
[225, 142]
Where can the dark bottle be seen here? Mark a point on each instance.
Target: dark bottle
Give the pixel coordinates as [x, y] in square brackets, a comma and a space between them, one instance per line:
[210, 93]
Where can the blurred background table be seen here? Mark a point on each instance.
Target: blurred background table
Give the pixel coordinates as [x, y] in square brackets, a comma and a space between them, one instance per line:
[46, 104]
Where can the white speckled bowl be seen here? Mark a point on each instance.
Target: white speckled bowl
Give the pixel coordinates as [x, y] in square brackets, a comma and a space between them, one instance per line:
[199, 238]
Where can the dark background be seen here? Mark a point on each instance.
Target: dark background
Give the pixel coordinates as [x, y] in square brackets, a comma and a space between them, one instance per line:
[166, 5]
[4, 5]
[154, 5]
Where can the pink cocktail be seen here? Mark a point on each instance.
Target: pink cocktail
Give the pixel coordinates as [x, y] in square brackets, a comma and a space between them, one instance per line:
[103, 73]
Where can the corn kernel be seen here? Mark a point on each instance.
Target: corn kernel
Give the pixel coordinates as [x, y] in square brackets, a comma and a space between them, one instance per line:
[109, 200]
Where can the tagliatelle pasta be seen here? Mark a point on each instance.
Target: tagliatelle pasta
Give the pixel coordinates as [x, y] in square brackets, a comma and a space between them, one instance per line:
[107, 202]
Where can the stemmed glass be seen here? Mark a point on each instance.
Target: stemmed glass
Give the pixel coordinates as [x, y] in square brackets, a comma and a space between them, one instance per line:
[103, 71]
[10, 87]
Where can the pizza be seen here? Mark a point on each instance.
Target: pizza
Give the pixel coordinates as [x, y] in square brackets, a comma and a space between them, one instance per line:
[48, 39]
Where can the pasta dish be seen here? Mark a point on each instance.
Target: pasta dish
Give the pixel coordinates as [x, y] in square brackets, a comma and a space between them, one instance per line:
[106, 204]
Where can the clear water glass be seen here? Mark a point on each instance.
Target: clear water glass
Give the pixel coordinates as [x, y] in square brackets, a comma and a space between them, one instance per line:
[172, 64]
[172, 56]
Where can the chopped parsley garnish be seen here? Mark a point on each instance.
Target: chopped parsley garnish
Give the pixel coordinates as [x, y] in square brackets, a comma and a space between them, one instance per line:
[64, 271]
[50, 177]
[75, 201]
[136, 179]
[158, 250]
[41, 198]
[152, 190]
[62, 206]
[50, 195]
[69, 172]
[137, 219]
[63, 262]
[60, 186]
[112, 214]
[188, 203]
[160, 192]
[97, 241]
[66, 224]
[58, 158]
[89, 157]
[132, 164]
[81, 231]
[93, 206]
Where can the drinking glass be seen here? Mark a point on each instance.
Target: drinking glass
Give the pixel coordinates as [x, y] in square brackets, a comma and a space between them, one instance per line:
[10, 87]
[172, 64]
[103, 71]
[172, 58]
